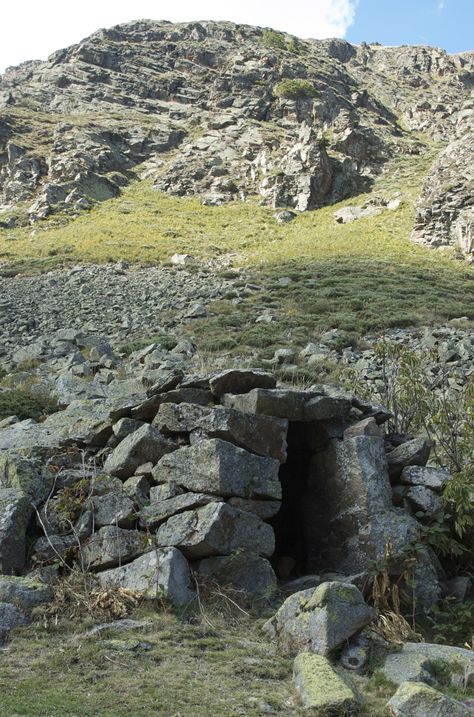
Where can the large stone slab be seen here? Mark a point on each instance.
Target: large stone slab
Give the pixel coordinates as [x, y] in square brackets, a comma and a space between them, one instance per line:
[153, 515]
[218, 467]
[147, 410]
[112, 546]
[420, 661]
[415, 699]
[265, 435]
[322, 690]
[15, 514]
[265, 509]
[162, 573]
[319, 620]
[217, 529]
[240, 381]
[142, 446]
[283, 403]
[249, 574]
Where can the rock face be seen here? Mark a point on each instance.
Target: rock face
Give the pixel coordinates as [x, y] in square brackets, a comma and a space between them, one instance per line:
[445, 209]
[224, 111]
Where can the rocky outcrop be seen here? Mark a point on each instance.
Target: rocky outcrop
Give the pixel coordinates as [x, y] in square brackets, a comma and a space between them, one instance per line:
[218, 110]
[445, 209]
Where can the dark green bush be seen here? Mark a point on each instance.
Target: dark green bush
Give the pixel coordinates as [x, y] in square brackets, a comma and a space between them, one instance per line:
[295, 89]
[25, 403]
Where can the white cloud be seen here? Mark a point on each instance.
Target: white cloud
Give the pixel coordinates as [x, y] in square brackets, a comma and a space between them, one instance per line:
[33, 29]
[440, 6]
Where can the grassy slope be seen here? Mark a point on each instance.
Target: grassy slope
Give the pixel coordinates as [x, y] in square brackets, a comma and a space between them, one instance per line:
[218, 666]
[360, 276]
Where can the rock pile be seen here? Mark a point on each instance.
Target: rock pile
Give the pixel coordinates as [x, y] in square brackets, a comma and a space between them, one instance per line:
[225, 476]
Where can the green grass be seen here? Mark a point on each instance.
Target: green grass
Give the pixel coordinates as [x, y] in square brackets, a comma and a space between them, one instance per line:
[191, 670]
[362, 276]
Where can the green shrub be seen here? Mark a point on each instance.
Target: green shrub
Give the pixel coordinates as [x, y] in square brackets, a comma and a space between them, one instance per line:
[295, 89]
[274, 39]
[25, 403]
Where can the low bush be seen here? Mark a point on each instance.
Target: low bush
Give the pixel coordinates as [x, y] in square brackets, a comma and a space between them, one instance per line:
[26, 403]
[295, 89]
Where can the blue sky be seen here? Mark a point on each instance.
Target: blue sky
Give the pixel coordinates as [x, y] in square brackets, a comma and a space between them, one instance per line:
[33, 29]
[448, 24]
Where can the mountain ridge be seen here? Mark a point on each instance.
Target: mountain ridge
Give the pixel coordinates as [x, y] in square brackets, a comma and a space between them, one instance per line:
[223, 112]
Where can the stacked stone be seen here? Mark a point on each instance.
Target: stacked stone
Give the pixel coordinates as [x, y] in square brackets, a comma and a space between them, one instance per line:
[192, 476]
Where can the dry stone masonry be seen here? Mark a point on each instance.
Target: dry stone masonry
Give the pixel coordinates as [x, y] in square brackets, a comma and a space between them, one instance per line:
[251, 484]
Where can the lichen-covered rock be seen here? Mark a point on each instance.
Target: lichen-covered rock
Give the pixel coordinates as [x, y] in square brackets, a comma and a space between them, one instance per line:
[112, 546]
[419, 662]
[416, 699]
[148, 409]
[54, 547]
[158, 574]
[145, 444]
[25, 471]
[138, 490]
[427, 476]
[412, 453]
[15, 513]
[23, 592]
[153, 515]
[218, 467]
[10, 617]
[322, 690]
[111, 509]
[263, 435]
[283, 403]
[319, 620]
[265, 509]
[247, 573]
[217, 529]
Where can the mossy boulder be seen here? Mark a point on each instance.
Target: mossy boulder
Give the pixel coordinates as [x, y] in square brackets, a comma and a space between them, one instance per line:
[26, 472]
[319, 620]
[416, 699]
[321, 689]
[425, 662]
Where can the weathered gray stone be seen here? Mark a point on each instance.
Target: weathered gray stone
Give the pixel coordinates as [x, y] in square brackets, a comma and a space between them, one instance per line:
[423, 499]
[125, 426]
[321, 689]
[152, 516]
[138, 490]
[145, 444]
[319, 620]
[111, 509]
[112, 546]
[54, 547]
[366, 427]
[240, 381]
[419, 662]
[415, 699]
[283, 403]
[411, 453]
[164, 492]
[25, 471]
[158, 574]
[246, 573]
[10, 617]
[265, 509]
[217, 529]
[259, 434]
[324, 408]
[147, 410]
[218, 467]
[23, 592]
[434, 478]
[15, 513]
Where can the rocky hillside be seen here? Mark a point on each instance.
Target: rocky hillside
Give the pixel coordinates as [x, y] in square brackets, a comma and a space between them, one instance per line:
[229, 112]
